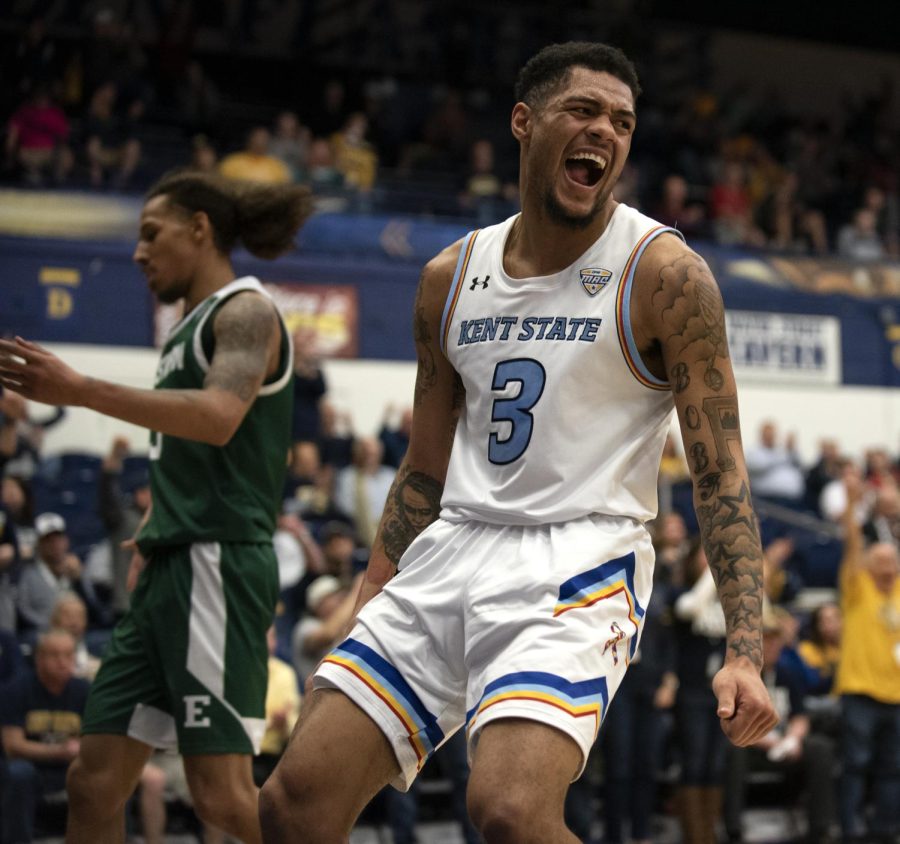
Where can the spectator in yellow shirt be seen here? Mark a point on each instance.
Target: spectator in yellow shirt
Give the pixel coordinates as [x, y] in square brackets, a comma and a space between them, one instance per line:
[254, 163]
[868, 676]
[354, 156]
[821, 649]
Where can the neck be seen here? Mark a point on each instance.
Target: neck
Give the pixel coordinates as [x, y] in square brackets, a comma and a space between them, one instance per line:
[539, 246]
[213, 275]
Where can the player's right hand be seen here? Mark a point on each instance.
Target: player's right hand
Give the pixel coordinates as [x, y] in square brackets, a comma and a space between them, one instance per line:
[744, 708]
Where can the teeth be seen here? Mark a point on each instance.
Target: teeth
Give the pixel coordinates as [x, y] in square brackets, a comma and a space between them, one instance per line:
[589, 156]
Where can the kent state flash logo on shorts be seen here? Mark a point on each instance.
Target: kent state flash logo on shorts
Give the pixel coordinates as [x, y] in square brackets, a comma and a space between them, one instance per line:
[594, 279]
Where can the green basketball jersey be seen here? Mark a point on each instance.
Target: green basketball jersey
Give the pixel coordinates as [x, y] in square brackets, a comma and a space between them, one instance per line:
[229, 493]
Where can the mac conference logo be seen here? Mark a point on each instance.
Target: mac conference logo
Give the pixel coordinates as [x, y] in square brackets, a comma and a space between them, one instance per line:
[594, 279]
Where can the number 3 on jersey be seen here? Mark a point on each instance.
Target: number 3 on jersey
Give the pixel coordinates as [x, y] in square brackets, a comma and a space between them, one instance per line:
[530, 376]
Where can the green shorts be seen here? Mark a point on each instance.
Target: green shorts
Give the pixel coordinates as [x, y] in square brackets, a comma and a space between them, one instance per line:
[186, 665]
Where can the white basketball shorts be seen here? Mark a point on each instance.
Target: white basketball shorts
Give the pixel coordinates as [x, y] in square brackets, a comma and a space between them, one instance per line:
[488, 621]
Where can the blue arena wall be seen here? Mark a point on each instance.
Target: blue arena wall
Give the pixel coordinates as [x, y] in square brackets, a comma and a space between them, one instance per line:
[88, 290]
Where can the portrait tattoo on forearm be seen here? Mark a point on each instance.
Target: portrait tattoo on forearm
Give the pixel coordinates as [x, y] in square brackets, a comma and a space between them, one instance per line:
[413, 503]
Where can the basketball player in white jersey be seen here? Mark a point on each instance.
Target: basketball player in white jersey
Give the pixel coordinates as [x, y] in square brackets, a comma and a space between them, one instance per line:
[551, 351]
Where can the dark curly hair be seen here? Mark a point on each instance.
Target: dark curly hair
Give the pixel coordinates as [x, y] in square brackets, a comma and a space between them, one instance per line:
[547, 70]
[263, 217]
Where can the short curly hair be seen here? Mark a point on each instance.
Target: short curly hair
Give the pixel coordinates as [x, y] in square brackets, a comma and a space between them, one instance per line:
[544, 72]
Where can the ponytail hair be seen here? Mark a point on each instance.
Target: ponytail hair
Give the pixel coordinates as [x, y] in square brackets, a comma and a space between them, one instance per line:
[263, 217]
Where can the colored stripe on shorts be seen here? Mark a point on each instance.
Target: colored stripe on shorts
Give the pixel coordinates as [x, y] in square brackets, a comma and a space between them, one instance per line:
[610, 578]
[388, 684]
[581, 699]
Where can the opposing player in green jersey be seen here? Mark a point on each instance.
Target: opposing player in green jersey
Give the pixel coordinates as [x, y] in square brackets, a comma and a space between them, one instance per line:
[187, 663]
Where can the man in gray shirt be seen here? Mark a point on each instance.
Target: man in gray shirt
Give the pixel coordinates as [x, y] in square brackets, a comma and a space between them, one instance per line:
[54, 571]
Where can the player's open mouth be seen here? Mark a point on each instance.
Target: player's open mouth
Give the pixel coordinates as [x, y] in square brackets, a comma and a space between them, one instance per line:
[585, 168]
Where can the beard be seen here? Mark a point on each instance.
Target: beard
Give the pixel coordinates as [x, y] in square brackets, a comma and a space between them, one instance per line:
[561, 217]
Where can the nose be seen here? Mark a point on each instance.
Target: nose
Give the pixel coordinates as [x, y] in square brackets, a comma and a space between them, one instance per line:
[601, 126]
[140, 253]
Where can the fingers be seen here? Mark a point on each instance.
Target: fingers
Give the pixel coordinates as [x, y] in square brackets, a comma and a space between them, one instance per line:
[10, 382]
[12, 366]
[17, 348]
[725, 709]
[744, 708]
[18, 360]
[749, 723]
[27, 344]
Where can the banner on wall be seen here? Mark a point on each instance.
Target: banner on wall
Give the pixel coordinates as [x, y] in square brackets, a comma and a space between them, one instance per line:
[331, 311]
[786, 348]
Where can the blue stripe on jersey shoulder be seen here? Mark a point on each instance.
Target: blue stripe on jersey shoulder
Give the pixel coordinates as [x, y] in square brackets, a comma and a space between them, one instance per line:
[460, 263]
[626, 309]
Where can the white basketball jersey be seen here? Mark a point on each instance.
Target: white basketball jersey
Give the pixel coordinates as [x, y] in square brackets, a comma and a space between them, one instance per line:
[562, 418]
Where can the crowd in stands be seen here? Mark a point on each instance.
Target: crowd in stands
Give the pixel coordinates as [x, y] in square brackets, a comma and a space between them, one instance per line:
[107, 109]
[95, 101]
[830, 532]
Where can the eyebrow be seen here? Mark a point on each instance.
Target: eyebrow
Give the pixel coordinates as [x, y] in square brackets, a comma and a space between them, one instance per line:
[583, 98]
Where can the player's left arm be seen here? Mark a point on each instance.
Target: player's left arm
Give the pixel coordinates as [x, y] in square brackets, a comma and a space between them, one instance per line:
[247, 342]
[681, 327]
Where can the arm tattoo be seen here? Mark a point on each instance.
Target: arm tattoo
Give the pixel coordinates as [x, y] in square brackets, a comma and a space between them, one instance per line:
[708, 485]
[413, 503]
[722, 412]
[731, 541]
[244, 328]
[701, 458]
[692, 417]
[426, 374]
[690, 307]
[692, 318]
[679, 377]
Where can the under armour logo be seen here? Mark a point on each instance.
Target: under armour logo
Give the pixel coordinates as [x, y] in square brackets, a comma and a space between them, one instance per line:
[476, 281]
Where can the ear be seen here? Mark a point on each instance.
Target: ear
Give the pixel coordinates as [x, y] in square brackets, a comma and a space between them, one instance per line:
[521, 122]
[201, 228]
